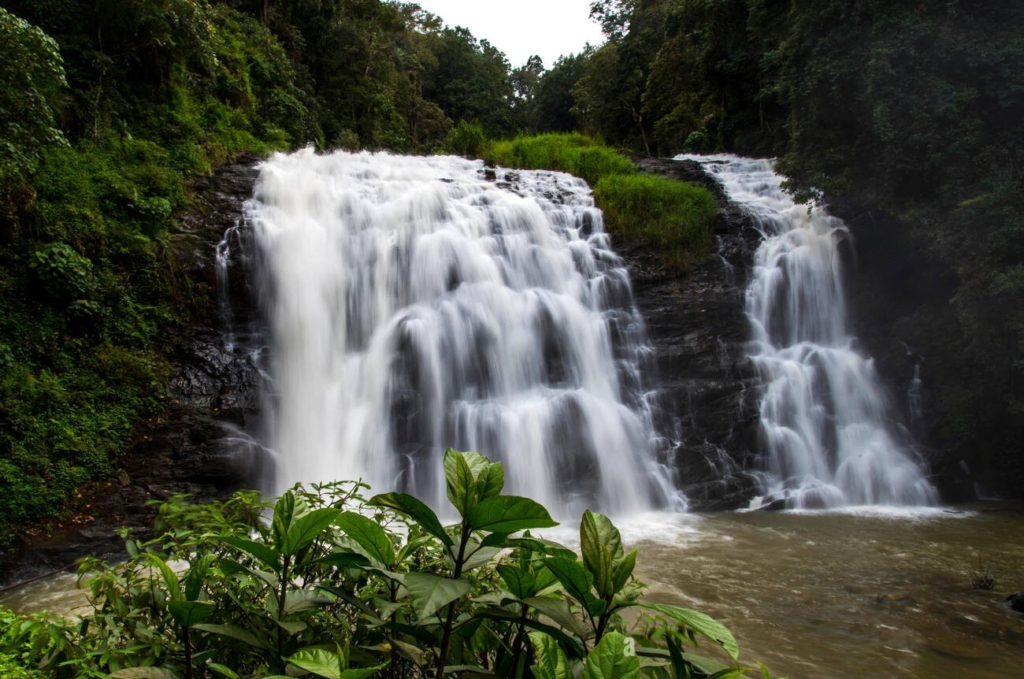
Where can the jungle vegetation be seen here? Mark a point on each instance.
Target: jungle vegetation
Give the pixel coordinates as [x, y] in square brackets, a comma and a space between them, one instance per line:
[909, 111]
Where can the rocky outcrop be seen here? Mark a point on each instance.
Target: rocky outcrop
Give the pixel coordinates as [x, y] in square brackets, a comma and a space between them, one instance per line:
[213, 391]
[708, 391]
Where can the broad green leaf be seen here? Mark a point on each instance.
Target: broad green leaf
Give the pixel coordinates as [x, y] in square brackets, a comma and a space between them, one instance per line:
[530, 544]
[307, 528]
[301, 600]
[188, 613]
[169, 578]
[292, 627]
[558, 611]
[409, 652]
[622, 570]
[232, 632]
[460, 481]
[614, 657]
[490, 481]
[552, 662]
[601, 546]
[430, 592]
[480, 557]
[143, 673]
[507, 514]
[287, 509]
[369, 535]
[414, 509]
[574, 578]
[571, 645]
[223, 670]
[197, 575]
[361, 672]
[731, 673]
[411, 547]
[520, 583]
[318, 661]
[264, 553]
[701, 624]
[338, 559]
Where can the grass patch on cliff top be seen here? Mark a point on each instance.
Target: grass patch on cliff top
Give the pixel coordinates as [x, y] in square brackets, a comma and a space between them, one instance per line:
[576, 154]
[675, 216]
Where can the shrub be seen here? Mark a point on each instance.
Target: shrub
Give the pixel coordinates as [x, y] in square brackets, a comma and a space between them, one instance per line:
[466, 139]
[338, 586]
[677, 217]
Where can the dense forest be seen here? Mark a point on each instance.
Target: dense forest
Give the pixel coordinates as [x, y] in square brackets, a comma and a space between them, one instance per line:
[912, 111]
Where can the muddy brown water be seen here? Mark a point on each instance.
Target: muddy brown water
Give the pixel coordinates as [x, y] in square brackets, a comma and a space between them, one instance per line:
[831, 595]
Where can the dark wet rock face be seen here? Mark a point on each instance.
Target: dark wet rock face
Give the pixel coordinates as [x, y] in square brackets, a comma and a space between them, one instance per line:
[214, 390]
[709, 391]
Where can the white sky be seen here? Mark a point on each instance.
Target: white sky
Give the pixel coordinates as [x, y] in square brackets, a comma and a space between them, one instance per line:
[520, 28]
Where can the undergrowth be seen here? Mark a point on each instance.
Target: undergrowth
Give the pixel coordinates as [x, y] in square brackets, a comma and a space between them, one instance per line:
[326, 583]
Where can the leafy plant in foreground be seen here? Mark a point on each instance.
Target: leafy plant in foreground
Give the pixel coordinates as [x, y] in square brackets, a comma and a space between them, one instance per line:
[336, 586]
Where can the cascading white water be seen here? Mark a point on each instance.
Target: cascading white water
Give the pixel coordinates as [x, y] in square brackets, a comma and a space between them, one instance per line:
[824, 415]
[414, 305]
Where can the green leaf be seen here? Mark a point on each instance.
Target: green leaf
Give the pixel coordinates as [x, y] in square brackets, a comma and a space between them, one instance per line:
[480, 557]
[409, 652]
[286, 510]
[197, 575]
[507, 514]
[301, 600]
[223, 670]
[430, 592]
[414, 509]
[232, 632]
[370, 536]
[142, 673]
[338, 559]
[552, 662]
[571, 645]
[701, 624]
[361, 672]
[601, 546]
[532, 544]
[292, 627]
[520, 583]
[765, 672]
[460, 480]
[169, 578]
[574, 578]
[622, 570]
[490, 481]
[188, 613]
[613, 658]
[559, 612]
[308, 528]
[264, 553]
[318, 661]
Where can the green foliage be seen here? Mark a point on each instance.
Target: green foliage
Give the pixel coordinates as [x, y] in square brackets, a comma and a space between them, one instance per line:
[575, 153]
[31, 86]
[339, 587]
[676, 216]
[466, 139]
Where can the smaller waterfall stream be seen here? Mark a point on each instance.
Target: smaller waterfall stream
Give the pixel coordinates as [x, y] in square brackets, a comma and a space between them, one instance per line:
[825, 417]
[414, 305]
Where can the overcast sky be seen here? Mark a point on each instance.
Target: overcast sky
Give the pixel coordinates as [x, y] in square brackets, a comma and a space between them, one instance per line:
[520, 28]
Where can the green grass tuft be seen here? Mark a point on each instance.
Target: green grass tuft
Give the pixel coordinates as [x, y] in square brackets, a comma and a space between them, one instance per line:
[576, 154]
[675, 216]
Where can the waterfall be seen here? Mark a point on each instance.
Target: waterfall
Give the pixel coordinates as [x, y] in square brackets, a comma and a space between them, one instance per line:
[825, 418]
[413, 305]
